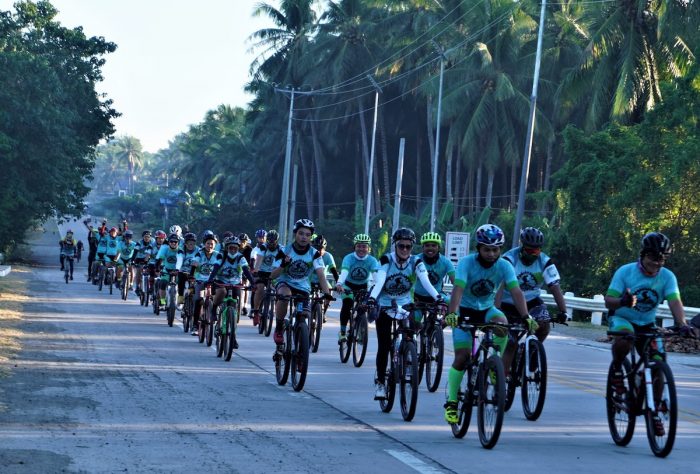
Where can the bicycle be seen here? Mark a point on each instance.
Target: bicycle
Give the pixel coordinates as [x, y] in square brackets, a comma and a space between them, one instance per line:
[146, 290]
[432, 344]
[126, 281]
[67, 262]
[357, 332]
[403, 363]
[267, 311]
[648, 389]
[205, 330]
[107, 276]
[171, 297]
[227, 323]
[97, 267]
[318, 300]
[293, 354]
[528, 370]
[188, 306]
[483, 386]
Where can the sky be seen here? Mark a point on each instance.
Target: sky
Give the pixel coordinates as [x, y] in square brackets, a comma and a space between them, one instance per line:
[175, 59]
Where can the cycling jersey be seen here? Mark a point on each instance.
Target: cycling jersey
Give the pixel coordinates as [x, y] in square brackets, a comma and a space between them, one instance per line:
[68, 247]
[171, 259]
[437, 271]
[270, 258]
[480, 284]
[231, 270]
[154, 254]
[296, 273]
[126, 251]
[357, 270]
[143, 250]
[328, 263]
[102, 243]
[112, 245]
[650, 291]
[206, 264]
[395, 281]
[531, 278]
[187, 258]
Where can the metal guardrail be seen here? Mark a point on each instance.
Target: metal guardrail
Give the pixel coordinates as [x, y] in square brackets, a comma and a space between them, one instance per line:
[5, 270]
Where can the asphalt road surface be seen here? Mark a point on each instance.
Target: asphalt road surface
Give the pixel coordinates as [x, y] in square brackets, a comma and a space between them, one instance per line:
[103, 385]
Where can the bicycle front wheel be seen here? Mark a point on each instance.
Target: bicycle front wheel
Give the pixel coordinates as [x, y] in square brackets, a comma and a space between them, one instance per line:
[465, 403]
[171, 309]
[125, 285]
[315, 329]
[534, 378]
[300, 356]
[435, 351]
[409, 380]
[220, 334]
[618, 404]
[492, 397]
[231, 332]
[359, 340]
[282, 359]
[513, 379]
[662, 418]
[344, 345]
[386, 404]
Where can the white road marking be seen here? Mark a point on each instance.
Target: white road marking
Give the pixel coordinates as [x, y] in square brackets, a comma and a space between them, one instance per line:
[412, 462]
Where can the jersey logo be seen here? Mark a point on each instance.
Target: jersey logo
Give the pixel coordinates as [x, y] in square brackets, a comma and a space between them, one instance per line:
[268, 260]
[298, 269]
[433, 277]
[482, 288]
[205, 268]
[397, 284]
[172, 259]
[647, 299]
[113, 243]
[358, 274]
[527, 281]
[227, 272]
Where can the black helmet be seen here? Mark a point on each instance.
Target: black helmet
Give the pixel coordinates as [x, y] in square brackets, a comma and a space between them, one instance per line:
[190, 237]
[273, 236]
[232, 240]
[173, 238]
[226, 235]
[128, 234]
[243, 238]
[531, 237]
[656, 243]
[145, 233]
[403, 234]
[319, 242]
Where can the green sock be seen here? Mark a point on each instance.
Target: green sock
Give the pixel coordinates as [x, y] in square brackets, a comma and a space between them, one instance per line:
[454, 379]
[501, 342]
[343, 329]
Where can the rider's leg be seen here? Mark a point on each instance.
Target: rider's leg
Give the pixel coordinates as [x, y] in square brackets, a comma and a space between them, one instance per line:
[281, 307]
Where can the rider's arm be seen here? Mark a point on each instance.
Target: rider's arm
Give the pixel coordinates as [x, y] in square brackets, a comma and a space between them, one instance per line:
[380, 277]
[555, 290]
[343, 276]
[248, 274]
[678, 312]
[283, 262]
[180, 259]
[422, 275]
[499, 297]
[519, 301]
[334, 272]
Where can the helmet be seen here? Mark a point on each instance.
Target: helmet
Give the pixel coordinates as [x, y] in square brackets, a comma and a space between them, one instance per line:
[176, 229]
[243, 237]
[433, 237]
[260, 233]
[308, 223]
[113, 229]
[403, 234]
[489, 234]
[657, 243]
[319, 242]
[232, 240]
[69, 231]
[190, 236]
[208, 234]
[226, 235]
[173, 238]
[361, 239]
[273, 236]
[128, 234]
[531, 237]
[145, 233]
[160, 234]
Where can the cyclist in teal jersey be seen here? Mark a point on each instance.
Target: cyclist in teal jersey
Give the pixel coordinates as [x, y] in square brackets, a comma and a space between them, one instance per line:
[438, 267]
[246, 250]
[142, 255]
[356, 270]
[112, 242]
[319, 243]
[127, 251]
[394, 282]
[169, 259]
[293, 272]
[204, 264]
[230, 272]
[177, 230]
[477, 279]
[188, 254]
[69, 248]
[267, 258]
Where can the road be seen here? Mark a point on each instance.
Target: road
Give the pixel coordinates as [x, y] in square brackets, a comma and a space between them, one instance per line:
[103, 385]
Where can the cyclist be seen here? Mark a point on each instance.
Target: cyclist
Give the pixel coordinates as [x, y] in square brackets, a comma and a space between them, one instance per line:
[355, 272]
[177, 230]
[635, 292]
[112, 244]
[142, 255]
[204, 263]
[268, 257]
[247, 251]
[394, 281]
[79, 249]
[233, 266]
[188, 253]
[294, 270]
[169, 258]
[438, 267]
[127, 250]
[92, 238]
[477, 279]
[319, 243]
[101, 236]
[68, 249]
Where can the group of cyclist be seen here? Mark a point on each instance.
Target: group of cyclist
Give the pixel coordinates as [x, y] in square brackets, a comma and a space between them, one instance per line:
[489, 287]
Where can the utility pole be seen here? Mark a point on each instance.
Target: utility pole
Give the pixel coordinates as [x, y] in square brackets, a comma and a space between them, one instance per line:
[399, 181]
[530, 131]
[371, 159]
[433, 205]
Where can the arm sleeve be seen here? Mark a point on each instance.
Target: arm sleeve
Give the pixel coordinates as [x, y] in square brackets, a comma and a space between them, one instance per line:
[422, 275]
[379, 279]
[248, 274]
[343, 276]
[334, 272]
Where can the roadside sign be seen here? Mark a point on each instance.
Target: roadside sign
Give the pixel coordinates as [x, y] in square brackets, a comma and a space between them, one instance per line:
[456, 246]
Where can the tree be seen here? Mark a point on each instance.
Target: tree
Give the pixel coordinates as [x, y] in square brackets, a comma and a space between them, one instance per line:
[130, 152]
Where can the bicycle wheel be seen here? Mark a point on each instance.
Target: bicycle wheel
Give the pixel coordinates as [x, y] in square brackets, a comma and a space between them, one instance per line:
[281, 358]
[270, 319]
[345, 345]
[171, 308]
[492, 395]
[231, 332]
[315, 328]
[142, 296]
[220, 334]
[101, 276]
[125, 285]
[209, 325]
[263, 315]
[422, 354]
[465, 403]
[387, 403]
[66, 273]
[111, 281]
[665, 412]
[435, 352]
[186, 314]
[513, 379]
[618, 406]
[359, 340]
[409, 380]
[201, 330]
[300, 356]
[534, 378]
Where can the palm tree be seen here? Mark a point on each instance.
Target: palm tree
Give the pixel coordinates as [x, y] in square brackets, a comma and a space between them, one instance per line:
[129, 150]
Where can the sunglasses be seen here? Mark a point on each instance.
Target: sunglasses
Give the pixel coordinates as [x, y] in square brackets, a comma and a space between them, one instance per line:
[532, 251]
[404, 246]
[659, 257]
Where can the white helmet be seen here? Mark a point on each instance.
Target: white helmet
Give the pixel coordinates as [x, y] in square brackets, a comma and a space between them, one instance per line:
[176, 229]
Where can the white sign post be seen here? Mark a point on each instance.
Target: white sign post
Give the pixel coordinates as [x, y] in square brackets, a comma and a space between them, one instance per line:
[456, 246]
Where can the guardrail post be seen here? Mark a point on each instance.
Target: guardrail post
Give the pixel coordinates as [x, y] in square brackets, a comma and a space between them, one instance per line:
[597, 316]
